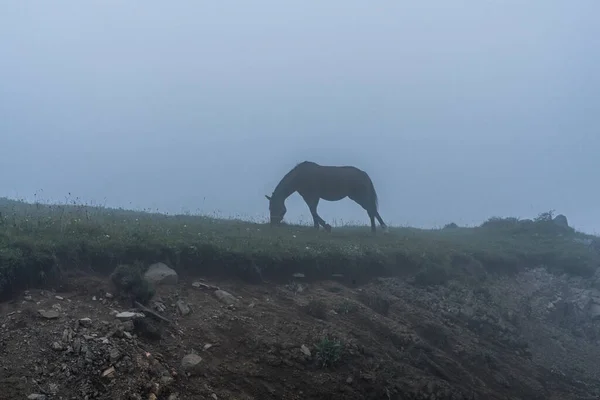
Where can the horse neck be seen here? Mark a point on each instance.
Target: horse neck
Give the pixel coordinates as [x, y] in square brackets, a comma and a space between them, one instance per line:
[285, 187]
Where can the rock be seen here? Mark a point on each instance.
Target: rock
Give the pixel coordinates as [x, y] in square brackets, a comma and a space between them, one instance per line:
[207, 346]
[59, 297]
[202, 285]
[561, 221]
[28, 298]
[128, 326]
[159, 306]
[36, 396]
[161, 274]
[190, 363]
[594, 311]
[49, 314]
[166, 380]
[114, 355]
[77, 345]
[56, 346]
[108, 295]
[67, 336]
[154, 388]
[128, 315]
[305, 350]
[109, 373]
[226, 297]
[53, 388]
[183, 308]
[173, 396]
[86, 322]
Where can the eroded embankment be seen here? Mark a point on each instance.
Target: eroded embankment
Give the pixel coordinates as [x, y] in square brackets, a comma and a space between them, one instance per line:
[388, 339]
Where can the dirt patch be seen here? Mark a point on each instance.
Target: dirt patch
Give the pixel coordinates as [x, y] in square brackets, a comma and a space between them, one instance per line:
[386, 340]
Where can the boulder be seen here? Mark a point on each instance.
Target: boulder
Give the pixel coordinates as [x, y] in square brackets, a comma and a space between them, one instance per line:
[594, 311]
[161, 274]
[226, 297]
[49, 314]
[183, 308]
[191, 363]
[561, 221]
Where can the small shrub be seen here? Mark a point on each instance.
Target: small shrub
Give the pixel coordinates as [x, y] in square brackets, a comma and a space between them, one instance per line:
[346, 307]
[130, 283]
[547, 216]
[295, 287]
[317, 309]
[329, 352]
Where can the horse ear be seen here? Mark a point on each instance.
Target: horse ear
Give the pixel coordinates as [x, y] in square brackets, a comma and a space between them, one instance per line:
[268, 198]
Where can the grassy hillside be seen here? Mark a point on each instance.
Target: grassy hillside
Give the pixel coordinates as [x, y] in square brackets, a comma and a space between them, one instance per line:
[38, 243]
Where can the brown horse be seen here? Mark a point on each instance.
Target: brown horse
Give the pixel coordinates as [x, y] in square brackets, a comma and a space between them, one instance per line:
[314, 182]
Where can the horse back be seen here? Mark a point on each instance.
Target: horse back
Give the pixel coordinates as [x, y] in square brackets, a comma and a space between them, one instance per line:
[334, 181]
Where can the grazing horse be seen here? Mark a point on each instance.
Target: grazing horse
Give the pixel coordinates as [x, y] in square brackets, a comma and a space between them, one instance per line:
[314, 182]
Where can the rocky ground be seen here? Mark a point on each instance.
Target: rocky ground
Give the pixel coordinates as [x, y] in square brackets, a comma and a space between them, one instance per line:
[531, 336]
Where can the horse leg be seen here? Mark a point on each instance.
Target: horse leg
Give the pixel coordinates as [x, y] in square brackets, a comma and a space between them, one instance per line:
[371, 209]
[383, 225]
[372, 218]
[312, 203]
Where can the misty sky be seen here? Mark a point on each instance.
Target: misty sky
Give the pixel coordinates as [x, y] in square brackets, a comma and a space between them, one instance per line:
[458, 110]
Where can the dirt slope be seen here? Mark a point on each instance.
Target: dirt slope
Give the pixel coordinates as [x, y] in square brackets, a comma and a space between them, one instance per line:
[397, 342]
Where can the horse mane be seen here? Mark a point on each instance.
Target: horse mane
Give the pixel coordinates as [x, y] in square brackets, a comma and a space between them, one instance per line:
[290, 175]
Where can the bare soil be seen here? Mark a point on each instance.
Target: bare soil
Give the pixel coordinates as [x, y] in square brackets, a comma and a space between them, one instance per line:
[397, 342]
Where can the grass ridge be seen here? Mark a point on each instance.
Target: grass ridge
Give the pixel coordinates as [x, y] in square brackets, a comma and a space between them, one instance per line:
[40, 242]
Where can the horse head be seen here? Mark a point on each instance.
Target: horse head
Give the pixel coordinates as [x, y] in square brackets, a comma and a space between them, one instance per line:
[277, 210]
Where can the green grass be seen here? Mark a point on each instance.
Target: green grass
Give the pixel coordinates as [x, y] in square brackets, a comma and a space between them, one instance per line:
[329, 352]
[38, 243]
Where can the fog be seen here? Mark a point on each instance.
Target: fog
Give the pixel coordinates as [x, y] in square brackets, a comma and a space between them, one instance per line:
[458, 110]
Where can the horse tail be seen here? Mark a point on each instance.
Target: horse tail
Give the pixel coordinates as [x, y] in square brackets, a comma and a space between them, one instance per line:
[373, 193]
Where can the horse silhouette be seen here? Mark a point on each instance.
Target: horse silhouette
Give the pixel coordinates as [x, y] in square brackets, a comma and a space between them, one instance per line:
[332, 183]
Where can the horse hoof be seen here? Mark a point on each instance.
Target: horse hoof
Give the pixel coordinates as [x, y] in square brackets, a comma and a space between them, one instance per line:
[328, 228]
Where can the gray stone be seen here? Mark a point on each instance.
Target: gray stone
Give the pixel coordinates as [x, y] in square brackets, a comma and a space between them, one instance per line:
[161, 274]
[128, 315]
[77, 345]
[225, 297]
[56, 346]
[114, 355]
[109, 373]
[190, 363]
[49, 314]
[183, 308]
[128, 326]
[561, 220]
[85, 322]
[305, 350]
[36, 396]
[594, 311]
